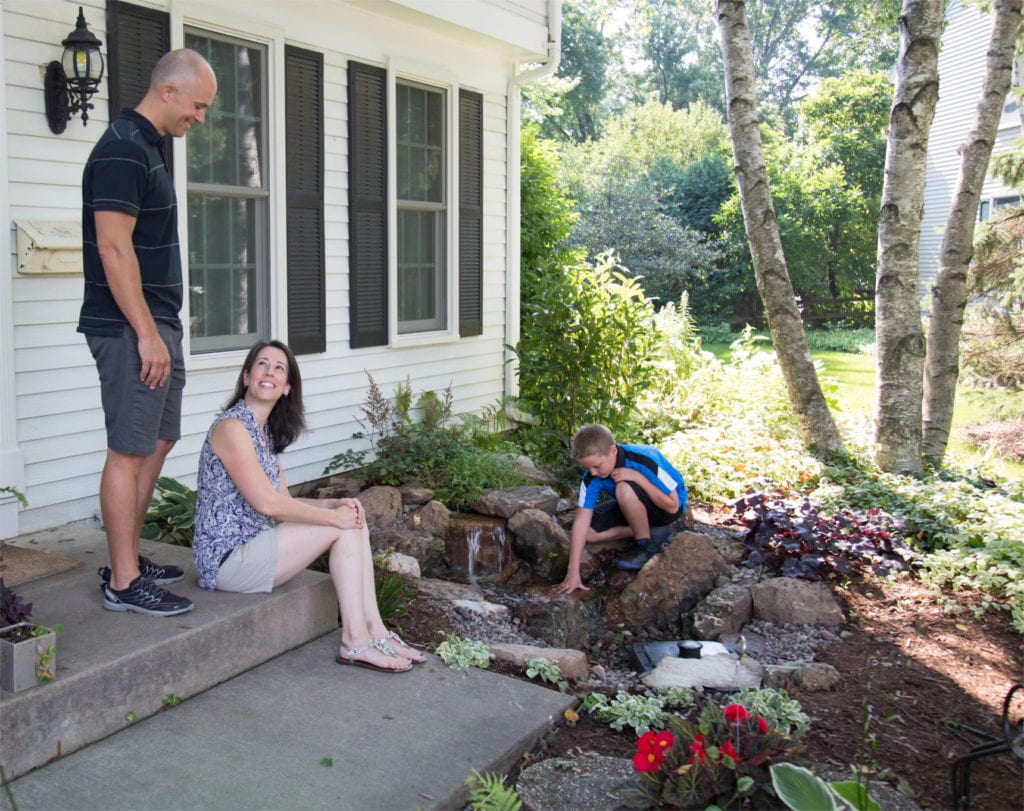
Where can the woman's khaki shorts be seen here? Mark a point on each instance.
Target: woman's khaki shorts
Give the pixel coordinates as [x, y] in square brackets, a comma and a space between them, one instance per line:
[250, 567]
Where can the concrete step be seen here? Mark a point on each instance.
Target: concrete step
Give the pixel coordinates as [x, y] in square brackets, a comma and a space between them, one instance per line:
[114, 669]
[301, 732]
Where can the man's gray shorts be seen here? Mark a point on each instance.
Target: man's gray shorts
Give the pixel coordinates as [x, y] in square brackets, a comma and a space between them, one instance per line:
[136, 417]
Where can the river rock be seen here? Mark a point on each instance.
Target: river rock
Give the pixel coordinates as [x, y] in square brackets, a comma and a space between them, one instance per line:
[561, 621]
[416, 494]
[572, 664]
[724, 611]
[426, 548]
[382, 504]
[432, 517]
[402, 564]
[671, 583]
[537, 539]
[800, 602]
[506, 503]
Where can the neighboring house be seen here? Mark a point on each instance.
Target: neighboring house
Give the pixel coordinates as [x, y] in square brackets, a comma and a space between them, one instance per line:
[355, 192]
[961, 71]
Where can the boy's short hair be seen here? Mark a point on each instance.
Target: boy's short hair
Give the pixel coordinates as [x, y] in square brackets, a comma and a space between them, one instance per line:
[591, 440]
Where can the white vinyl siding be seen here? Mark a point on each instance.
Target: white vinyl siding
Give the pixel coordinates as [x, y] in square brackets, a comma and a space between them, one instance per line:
[59, 429]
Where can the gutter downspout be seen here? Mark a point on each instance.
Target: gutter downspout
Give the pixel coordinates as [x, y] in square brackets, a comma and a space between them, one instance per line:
[513, 201]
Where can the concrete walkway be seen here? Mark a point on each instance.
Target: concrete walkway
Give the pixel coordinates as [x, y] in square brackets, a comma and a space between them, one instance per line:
[295, 732]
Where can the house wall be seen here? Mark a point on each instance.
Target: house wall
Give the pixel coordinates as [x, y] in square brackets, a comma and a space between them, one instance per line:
[54, 447]
[961, 71]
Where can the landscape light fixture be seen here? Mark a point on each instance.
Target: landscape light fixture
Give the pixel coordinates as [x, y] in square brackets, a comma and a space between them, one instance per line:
[70, 83]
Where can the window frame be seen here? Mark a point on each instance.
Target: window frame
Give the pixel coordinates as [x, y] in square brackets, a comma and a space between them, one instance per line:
[263, 196]
[401, 72]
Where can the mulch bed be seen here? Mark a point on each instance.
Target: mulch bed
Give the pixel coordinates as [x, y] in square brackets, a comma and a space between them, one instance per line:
[925, 677]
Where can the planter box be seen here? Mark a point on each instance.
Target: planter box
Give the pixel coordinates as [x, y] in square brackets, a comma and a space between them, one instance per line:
[26, 663]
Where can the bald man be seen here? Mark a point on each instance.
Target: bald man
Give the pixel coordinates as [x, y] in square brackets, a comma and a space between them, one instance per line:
[130, 316]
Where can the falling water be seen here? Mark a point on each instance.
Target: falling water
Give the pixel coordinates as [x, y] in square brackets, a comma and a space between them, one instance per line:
[479, 547]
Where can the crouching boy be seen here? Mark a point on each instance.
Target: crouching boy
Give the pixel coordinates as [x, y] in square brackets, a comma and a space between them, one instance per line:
[648, 495]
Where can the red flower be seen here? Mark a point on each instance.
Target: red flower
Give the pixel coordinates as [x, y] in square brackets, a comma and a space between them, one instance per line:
[650, 750]
[648, 761]
[699, 752]
[734, 713]
[762, 725]
[728, 749]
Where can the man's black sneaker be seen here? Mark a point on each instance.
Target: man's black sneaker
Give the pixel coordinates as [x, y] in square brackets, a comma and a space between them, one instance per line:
[144, 597]
[153, 572]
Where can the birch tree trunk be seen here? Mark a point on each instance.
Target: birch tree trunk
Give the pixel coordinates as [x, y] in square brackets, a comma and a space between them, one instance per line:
[900, 338]
[949, 289]
[770, 270]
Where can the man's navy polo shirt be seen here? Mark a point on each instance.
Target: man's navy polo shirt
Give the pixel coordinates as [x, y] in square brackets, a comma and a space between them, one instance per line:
[126, 172]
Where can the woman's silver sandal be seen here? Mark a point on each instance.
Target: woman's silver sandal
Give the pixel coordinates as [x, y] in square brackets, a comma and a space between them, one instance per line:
[393, 636]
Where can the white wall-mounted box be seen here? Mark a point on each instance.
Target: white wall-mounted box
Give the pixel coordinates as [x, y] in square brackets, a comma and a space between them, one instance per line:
[49, 247]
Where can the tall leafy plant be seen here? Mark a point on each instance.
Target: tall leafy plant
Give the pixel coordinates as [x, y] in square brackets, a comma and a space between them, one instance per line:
[588, 349]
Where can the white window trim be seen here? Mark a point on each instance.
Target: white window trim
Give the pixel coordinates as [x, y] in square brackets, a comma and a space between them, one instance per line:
[410, 71]
[216, 21]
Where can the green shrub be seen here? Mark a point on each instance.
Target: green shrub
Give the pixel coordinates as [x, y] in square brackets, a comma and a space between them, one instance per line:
[587, 352]
[458, 460]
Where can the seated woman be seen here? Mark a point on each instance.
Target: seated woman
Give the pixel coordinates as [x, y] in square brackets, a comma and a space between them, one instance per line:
[251, 535]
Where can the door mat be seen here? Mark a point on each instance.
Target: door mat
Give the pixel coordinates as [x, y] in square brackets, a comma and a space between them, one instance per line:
[20, 565]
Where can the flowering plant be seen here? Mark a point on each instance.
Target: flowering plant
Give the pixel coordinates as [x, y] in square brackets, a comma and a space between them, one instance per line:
[721, 760]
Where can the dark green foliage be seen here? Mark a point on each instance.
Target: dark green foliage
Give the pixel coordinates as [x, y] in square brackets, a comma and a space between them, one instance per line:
[172, 514]
[697, 191]
[394, 592]
[457, 460]
[587, 351]
[546, 213]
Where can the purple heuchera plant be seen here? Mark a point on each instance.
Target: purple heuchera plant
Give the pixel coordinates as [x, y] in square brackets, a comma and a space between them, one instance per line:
[13, 609]
[791, 537]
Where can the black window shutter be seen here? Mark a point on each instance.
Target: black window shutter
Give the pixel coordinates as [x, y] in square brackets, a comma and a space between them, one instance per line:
[367, 204]
[136, 39]
[471, 174]
[304, 169]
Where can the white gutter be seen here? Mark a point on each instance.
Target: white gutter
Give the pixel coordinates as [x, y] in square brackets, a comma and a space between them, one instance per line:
[513, 208]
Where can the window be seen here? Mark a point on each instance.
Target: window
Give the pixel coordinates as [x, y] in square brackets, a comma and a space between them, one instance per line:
[428, 213]
[988, 208]
[227, 205]
[422, 211]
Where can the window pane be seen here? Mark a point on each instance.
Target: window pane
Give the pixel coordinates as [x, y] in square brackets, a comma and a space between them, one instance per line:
[227, 202]
[222, 267]
[229, 148]
[420, 147]
[421, 282]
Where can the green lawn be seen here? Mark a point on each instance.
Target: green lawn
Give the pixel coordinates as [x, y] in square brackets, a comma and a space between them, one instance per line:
[854, 375]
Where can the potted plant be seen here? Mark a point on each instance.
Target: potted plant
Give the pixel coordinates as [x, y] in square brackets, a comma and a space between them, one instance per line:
[28, 652]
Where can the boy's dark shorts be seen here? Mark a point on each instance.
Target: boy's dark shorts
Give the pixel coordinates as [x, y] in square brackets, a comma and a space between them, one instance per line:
[607, 514]
[136, 417]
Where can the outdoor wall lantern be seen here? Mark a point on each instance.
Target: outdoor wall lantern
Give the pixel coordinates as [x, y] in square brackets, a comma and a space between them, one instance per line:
[70, 83]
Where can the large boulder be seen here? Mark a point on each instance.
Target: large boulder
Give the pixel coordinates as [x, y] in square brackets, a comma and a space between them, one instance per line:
[724, 611]
[426, 548]
[415, 494]
[382, 505]
[800, 602]
[529, 470]
[506, 503]
[432, 517]
[561, 621]
[671, 583]
[538, 540]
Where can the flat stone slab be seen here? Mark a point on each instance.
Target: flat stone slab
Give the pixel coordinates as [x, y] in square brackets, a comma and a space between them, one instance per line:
[303, 732]
[709, 672]
[569, 784]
